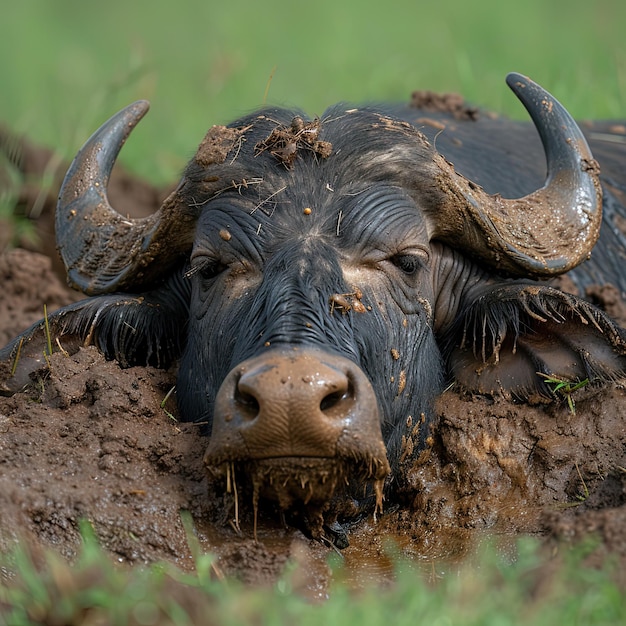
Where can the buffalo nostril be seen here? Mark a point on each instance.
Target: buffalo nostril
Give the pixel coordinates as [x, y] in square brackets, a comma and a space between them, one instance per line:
[332, 404]
[331, 400]
[247, 404]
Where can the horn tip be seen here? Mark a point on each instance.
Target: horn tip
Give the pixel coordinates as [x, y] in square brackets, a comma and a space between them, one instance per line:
[137, 109]
[142, 105]
[517, 81]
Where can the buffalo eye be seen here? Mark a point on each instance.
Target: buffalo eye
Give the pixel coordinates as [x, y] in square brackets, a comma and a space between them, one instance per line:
[207, 269]
[409, 264]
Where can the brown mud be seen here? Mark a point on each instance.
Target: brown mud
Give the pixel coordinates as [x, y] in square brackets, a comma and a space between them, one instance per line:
[285, 142]
[92, 441]
[444, 103]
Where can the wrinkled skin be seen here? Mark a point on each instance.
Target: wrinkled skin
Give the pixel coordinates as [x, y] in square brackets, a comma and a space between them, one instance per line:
[331, 257]
[278, 287]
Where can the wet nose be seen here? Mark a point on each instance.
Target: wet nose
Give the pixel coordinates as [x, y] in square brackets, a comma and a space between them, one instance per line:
[300, 403]
[296, 403]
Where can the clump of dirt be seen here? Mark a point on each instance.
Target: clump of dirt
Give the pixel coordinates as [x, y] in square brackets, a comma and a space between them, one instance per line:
[28, 282]
[89, 440]
[284, 142]
[86, 430]
[607, 297]
[216, 144]
[452, 103]
[508, 464]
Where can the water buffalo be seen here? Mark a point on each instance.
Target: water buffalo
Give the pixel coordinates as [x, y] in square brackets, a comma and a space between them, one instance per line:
[319, 281]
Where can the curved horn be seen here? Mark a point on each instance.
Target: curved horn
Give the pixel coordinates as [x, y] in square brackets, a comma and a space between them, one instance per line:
[102, 250]
[549, 231]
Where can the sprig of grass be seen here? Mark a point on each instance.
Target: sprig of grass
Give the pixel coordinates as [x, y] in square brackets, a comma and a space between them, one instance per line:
[47, 327]
[47, 353]
[564, 387]
[585, 494]
[164, 402]
[16, 360]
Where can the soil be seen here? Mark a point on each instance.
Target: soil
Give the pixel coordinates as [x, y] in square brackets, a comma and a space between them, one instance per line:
[452, 103]
[96, 442]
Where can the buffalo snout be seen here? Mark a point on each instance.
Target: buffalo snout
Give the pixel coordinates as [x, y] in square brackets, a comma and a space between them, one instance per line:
[302, 421]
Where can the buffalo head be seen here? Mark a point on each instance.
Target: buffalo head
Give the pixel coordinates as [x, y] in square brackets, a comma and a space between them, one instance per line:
[318, 281]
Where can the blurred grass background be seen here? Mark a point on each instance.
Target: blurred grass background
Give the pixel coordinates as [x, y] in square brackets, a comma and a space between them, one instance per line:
[66, 65]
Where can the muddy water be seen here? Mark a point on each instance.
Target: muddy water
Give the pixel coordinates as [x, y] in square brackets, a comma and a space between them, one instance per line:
[379, 552]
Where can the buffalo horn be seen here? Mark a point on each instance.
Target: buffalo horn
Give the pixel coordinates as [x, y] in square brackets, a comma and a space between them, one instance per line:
[547, 232]
[104, 251]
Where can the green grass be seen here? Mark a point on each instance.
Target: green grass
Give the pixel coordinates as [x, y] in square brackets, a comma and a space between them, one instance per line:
[42, 588]
[68, 64]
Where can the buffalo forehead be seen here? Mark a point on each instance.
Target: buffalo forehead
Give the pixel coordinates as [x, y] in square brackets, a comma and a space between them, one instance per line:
[360, 216]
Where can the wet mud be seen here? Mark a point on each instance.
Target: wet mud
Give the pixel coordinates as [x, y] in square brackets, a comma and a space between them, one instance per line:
[89, 440]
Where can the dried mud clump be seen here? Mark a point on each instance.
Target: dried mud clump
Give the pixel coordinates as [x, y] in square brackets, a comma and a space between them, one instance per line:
[444, 103]
[284, 143]
[216, 145]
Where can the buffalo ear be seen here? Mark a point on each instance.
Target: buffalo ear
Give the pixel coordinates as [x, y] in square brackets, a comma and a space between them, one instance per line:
[510, 338]
[146, 329]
